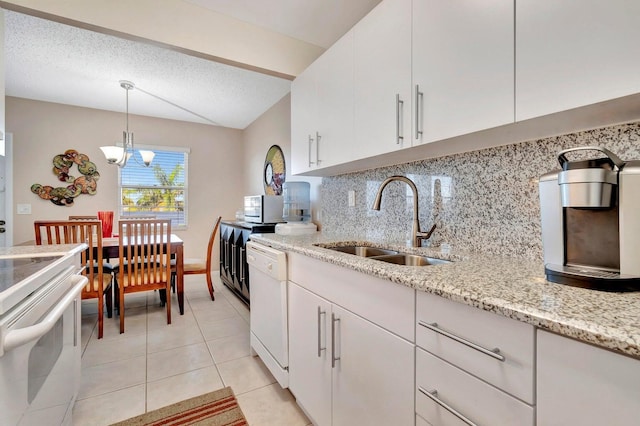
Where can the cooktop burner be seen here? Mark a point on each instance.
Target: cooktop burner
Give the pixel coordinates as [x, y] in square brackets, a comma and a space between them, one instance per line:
[14, 270]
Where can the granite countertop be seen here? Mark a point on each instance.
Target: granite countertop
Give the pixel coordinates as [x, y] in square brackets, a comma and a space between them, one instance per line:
[512, 287]
[28, 250]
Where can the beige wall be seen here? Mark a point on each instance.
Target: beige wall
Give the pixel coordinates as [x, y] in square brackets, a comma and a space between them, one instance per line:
[273, 128]
[42, 130]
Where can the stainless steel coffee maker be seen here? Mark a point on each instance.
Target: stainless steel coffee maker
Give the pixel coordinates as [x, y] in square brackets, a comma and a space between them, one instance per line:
[590, 211]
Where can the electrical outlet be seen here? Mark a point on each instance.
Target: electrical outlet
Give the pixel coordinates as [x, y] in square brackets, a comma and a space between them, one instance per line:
[24, 209]
[352, 198]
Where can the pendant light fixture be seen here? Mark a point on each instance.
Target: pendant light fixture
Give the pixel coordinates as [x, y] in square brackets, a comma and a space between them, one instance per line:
[119, 155]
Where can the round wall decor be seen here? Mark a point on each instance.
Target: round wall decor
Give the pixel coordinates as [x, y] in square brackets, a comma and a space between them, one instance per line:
[274, 171]
[85, 184]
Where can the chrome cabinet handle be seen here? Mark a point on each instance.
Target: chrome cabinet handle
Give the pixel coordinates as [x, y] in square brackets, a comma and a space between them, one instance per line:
[320, 348]
[399, 105]
[310, 142]
[233, 263]
[334, 320]
[493, 353]
[241, 263]
[434, 397]
[419, 100]
[318, 161]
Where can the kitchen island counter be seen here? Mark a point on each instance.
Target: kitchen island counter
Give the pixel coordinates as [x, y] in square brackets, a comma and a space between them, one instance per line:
[512, 287]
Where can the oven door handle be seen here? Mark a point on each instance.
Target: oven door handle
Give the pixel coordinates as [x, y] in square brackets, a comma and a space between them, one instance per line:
[21, 336]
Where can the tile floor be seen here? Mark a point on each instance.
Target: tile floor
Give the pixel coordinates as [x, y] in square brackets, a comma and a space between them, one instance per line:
[154, 364]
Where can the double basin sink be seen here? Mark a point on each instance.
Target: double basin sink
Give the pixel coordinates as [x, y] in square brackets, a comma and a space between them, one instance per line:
[389, 256]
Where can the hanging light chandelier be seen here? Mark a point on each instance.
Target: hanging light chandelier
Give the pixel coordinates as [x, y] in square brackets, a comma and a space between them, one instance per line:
[119, 155]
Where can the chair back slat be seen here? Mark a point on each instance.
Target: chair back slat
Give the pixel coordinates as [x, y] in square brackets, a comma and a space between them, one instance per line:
[144, 246]
[75, 232]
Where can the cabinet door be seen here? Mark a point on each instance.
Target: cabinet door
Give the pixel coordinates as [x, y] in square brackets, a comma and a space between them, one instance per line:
[373, 378]
[463, 60]
[334, 140]
[383, 71]
[310, 353]
[580, 384]
[304, 110]
[574, 53]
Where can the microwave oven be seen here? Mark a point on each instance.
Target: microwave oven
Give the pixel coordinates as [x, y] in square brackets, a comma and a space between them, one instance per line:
[263, 208]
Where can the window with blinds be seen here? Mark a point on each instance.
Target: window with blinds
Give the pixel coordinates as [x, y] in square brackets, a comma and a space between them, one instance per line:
[158, 190]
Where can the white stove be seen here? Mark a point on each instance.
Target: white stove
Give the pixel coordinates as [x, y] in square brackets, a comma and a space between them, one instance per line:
[39, 335]
[22, 275]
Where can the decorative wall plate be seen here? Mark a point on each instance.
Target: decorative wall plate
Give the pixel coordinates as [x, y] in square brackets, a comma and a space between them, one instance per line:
[274, 172]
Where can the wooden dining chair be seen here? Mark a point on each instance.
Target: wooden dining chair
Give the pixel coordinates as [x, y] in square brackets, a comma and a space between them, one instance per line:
[83, 231]
[144, 259]
[197, 266]
[106, 263]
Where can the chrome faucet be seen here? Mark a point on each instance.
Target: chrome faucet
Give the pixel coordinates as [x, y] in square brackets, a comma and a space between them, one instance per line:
[416, 235]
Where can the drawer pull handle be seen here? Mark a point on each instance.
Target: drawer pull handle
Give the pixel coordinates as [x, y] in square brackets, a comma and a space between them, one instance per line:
[494, 353]
[434, 397]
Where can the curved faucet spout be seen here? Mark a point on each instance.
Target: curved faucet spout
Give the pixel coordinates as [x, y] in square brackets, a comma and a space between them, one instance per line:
[416, 235]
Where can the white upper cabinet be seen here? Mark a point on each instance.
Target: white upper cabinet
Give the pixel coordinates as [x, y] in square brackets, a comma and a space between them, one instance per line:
[322, 110]
[304, 113]
[463, 60]
[382, 80]
[575, 53]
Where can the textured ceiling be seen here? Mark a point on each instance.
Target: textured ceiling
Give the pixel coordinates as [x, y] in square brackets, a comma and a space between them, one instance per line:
[319, 22]
[53, 62]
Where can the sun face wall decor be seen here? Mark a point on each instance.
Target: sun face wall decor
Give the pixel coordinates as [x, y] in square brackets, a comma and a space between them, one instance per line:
[85, 184]
[274, 172]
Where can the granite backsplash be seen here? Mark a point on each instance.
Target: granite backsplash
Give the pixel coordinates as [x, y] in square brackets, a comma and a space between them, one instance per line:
[481, 201]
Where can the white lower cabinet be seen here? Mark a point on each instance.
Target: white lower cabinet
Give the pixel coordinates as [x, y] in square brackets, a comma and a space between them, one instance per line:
[345, 370]
[472, 366]
[309, 359]
[447, 395]
[580, 384]
[496, 349]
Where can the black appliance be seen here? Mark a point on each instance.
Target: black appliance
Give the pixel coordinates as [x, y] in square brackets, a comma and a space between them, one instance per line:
[234, 271]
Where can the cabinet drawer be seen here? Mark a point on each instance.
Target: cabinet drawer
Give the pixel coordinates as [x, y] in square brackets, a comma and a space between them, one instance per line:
[462, 332]
[472, 398]
[387, 304]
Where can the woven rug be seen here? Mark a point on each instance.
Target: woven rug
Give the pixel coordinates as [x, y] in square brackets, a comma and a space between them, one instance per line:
[219, 408]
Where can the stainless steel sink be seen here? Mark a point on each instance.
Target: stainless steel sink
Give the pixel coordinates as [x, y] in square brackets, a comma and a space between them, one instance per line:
[389, 256]
[363, 251]
[411, 260]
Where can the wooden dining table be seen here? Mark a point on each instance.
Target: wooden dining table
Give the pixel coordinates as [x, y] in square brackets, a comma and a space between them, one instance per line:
[110, 249]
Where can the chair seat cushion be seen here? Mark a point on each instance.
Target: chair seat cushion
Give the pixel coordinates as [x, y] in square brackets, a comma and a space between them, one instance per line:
[191, 265]
[194, 265]
[144, 279]
[92, 287]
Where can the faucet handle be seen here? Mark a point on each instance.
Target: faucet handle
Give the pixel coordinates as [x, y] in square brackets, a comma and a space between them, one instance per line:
[426, 235]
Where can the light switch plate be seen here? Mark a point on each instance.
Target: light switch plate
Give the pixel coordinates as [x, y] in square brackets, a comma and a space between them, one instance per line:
[24, 209]
[352, 198]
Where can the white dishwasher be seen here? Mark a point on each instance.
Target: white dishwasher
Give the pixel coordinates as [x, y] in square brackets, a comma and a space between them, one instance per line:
[269, 334]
